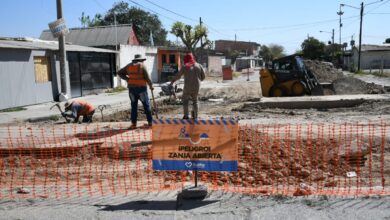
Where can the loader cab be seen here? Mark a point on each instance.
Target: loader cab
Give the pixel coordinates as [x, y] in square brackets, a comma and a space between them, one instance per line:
[288, 68]
[289, 77]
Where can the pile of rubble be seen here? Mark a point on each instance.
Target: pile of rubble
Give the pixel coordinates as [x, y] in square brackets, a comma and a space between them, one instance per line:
[286, 164]
[324, 71]
[343, 85]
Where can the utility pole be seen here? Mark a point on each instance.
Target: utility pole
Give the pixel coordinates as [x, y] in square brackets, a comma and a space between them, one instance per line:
[332, 39]
[201, 40]
[116, 33]
[333, 36]
[360, 33]
[333, 47]
[340, 24]
[62, 53]
[341, 60]
[361, 25]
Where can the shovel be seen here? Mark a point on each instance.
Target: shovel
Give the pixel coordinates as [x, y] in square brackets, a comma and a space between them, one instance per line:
[59, 108]
[154, 104]
[101, 108]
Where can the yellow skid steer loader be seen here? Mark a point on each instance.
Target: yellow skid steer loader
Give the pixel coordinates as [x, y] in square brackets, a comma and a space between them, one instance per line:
[288, 76]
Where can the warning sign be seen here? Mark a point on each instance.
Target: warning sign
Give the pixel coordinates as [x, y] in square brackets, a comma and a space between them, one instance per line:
[205, 145]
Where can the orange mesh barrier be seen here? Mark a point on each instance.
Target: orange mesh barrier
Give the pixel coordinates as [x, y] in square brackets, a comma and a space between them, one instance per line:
[105, 159]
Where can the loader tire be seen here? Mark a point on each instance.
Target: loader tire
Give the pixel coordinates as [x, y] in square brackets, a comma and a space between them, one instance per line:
[298, 89]
[277, 91]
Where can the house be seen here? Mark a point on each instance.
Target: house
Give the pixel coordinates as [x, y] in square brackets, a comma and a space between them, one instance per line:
[170, 60]
[373, 57]
[248, 63]
[103, 36]
[243, 47]
[29, 71]
[121, 38]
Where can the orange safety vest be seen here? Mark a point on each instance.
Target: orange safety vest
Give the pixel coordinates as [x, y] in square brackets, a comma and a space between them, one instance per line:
[86, 108]
[136, 75]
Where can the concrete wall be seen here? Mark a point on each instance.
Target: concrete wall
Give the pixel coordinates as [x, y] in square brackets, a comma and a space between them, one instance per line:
[215, 65]
[126, 55]
[375, 60]
[17, 78]
[372, 59]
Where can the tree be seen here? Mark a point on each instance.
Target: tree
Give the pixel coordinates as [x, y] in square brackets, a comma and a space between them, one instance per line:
[387, 41]
[85, 20]
[143, 22]
[313, 48]
[276, 50]
[273, 51]
[232, 54]
[96, 21]
[265, 53]
[190, 36]
[332, 51]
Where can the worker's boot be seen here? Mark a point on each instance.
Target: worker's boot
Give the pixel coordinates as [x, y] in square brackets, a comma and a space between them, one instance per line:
[193, 115]
[133, 126]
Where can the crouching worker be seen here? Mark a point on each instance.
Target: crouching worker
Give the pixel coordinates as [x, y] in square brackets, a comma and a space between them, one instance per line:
[75, 109]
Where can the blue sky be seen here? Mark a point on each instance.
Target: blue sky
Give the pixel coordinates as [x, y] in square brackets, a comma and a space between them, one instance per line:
[283, 22]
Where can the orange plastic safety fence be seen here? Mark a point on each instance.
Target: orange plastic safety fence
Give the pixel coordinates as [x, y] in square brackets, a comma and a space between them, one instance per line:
[108, 159]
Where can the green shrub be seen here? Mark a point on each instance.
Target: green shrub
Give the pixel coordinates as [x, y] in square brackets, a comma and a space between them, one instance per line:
[15, 109]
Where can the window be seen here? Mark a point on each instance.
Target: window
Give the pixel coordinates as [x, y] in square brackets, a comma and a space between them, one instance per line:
[42, 69]
[164, 58]
[283, 65]
[172, 58]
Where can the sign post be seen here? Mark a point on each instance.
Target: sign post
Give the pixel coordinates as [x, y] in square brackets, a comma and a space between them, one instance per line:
[58, 28]
[195, 145]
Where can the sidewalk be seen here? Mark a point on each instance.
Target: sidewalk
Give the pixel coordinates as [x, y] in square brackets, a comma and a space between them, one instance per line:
[115, 102]
[368, 78]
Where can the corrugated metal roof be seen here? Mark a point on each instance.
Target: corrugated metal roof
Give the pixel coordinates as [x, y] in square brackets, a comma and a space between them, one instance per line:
[95, 36]
[35, 44]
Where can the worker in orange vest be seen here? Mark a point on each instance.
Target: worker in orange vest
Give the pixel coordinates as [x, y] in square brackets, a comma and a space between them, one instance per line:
[137, 78]
[75, 109]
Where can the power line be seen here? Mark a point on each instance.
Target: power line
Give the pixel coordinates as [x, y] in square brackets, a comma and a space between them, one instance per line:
[185, 17]
[100, 5]
[188, 18]
[289, 26]
[378, 6]
[136, 3]
[350, 23]
[216, 31]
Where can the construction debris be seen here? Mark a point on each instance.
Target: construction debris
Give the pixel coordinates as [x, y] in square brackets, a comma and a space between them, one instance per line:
[343, 85]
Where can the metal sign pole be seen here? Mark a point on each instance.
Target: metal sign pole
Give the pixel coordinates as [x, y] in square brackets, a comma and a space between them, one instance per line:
[196, 178]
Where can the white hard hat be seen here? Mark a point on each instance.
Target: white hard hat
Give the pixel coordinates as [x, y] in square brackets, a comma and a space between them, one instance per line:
[68, 103]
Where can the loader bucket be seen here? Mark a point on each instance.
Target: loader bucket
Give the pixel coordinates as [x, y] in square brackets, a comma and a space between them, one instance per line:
[317, 91]
[328, 88]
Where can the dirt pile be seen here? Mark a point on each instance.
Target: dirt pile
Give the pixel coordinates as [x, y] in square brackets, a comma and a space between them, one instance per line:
[232, 93]
[324, 71]
[343, 85]
[350, 85]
